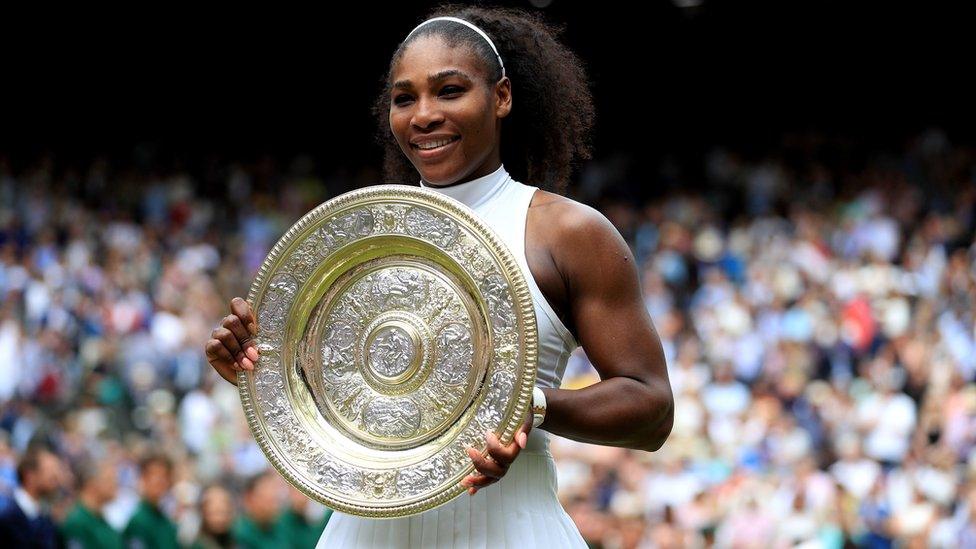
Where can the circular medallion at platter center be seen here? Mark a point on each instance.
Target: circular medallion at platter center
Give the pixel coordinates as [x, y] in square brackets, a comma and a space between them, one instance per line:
[394, 355]
[391, 351]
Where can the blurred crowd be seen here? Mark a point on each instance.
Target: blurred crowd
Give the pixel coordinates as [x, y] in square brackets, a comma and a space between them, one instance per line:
[818, 324]
[815, 302]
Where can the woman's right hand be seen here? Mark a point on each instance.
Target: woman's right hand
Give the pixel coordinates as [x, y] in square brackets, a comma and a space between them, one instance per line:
[231, 347]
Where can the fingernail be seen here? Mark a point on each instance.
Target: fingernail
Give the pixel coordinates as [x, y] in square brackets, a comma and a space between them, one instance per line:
[521, 440]
[247, 363]
[252, 353]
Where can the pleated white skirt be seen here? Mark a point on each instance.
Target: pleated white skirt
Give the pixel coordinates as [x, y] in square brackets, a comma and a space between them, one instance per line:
[520, 510]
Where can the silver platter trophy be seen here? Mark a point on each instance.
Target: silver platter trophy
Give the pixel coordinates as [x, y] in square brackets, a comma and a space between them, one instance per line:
[395, 329]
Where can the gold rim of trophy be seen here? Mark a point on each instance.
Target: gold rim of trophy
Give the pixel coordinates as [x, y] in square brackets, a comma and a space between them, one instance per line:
[301, 418]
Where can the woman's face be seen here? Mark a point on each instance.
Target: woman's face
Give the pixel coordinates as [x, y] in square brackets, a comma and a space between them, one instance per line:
[217, 510]
[439, 95]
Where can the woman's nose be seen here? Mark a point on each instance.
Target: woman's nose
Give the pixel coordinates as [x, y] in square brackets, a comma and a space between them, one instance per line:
[426, 113]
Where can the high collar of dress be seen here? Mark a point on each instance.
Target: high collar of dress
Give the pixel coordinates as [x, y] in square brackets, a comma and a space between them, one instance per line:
[476, 192]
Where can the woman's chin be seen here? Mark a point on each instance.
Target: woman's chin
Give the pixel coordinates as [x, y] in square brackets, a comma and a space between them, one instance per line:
[438, 178]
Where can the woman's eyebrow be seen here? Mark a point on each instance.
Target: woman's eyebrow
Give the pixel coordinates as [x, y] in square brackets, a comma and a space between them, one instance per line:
[400, 84]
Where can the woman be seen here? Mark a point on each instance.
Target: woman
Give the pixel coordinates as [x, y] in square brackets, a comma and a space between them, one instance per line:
[452, 87]
[216, 519]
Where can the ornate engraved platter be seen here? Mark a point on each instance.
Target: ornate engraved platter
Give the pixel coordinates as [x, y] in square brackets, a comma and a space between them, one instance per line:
[395, 330]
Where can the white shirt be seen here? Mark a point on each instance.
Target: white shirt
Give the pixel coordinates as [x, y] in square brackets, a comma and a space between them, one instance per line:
[28, 504]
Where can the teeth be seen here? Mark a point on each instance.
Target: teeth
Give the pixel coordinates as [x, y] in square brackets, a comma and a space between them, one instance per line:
[435, 144]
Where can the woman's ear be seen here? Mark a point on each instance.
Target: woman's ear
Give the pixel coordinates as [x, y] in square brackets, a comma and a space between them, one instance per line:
[503, 97]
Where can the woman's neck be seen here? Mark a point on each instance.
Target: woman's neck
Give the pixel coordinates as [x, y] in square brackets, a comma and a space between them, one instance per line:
[486, 169]
[474, 191]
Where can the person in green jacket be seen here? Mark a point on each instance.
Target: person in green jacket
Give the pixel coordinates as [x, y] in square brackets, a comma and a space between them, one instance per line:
[149, 527]
[294, 525]
[255, 528]
[84, 527]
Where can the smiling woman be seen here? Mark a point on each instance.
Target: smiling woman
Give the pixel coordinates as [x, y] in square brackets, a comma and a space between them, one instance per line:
[458, 83]
[546, 134]
[451, 95]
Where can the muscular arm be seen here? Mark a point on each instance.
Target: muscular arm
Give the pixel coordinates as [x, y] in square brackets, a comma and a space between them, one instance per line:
[632, 406]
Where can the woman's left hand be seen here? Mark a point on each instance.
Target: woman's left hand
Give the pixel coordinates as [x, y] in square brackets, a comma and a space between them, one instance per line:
[491, 468]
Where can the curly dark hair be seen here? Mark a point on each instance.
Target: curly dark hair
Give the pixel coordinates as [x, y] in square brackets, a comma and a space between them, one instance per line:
[547, 134]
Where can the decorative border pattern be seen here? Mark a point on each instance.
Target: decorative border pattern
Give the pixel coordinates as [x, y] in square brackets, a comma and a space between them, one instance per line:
[523, 308]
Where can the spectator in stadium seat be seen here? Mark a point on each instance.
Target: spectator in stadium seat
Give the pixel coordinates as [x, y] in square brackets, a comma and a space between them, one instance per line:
[255, 528]
[216, 518]
[150, 527]
[294, 525]
[24, 520]
[85, 526]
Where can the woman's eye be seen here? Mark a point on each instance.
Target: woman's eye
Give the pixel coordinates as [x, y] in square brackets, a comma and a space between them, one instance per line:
[446, 90]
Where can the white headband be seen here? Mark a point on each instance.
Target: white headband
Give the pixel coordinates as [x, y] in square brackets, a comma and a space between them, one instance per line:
[474, 28]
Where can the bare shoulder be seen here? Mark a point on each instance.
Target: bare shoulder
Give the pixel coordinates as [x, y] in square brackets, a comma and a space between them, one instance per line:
[585, 248]
[566, 214]
[578, 234]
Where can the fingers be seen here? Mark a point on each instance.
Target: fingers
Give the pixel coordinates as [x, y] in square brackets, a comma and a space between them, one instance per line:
[232, 347]
[222, 361]
[246, 327]
[228, 374]
[243, 310]
[242, 330]
[240, 341]
[475, 482]
[522, 435]
[503, 455]
[487, 466]
[229, 339]
[493, 466]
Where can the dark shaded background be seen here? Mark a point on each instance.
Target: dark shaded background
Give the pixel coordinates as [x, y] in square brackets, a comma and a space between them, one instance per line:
[668, 81]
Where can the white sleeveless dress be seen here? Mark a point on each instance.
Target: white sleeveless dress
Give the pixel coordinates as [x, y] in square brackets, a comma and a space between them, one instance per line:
[520, 510]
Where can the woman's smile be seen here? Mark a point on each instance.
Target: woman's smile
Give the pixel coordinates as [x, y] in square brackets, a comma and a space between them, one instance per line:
[435, 149]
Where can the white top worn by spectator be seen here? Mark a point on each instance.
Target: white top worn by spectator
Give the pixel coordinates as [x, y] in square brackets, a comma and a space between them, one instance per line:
[890, 419]
[726, 397]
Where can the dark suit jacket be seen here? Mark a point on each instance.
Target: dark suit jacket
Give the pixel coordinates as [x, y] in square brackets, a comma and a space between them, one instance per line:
[16, 530]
